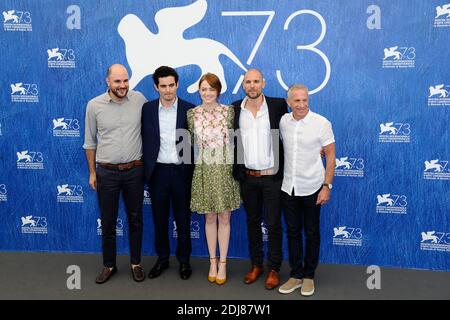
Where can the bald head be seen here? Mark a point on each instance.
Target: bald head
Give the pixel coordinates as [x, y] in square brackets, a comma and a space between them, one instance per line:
[253, 84]
[117, 81]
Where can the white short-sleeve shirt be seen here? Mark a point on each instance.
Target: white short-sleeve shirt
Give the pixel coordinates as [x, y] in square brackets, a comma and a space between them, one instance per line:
[302, 141]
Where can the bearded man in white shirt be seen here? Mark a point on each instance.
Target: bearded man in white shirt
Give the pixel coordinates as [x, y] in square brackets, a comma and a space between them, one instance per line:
[306, 185]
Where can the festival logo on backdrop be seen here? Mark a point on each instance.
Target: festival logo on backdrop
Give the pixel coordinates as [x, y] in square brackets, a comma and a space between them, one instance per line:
[393, 132]
[119, 227]
[61, 58]
[16, 20]
[442, 18]
[349, 167]
[3, 193]
[143, 53]
[347, 236]
[439, 95]
[436, 170]
[69, 193]
[24, 92]
[392, 203]
[399, 57]
[66, 127]
[34, 224]
[435, 241]
[33, 160]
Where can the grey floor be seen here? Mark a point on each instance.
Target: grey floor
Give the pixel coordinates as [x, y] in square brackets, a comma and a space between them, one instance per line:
[43, 276]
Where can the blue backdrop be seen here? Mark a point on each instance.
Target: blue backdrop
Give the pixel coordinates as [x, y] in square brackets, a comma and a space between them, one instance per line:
[378, 70]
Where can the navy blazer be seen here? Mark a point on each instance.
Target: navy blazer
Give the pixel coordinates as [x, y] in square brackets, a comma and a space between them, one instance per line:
[151, 135]
[277, 108]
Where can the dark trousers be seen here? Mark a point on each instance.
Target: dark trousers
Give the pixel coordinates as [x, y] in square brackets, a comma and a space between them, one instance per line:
[110, 183]
[262, 195]
[169, 187]
[302, 213]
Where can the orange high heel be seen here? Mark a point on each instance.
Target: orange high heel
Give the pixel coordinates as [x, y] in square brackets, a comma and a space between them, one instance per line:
[212, 279]
[222, 281]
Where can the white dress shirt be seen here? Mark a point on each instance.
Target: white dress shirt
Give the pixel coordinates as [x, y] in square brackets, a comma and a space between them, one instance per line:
[167, 132]
[256, 138]
[302, 141]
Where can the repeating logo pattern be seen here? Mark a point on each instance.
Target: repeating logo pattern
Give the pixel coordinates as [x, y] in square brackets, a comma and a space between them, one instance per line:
[61, 58]
[24, 92]
[399, 57]
[349, 167]
[16, 20]
[436, 170]
[347, 236]
[435, 241]
[442, 18]
[393, 132]
[392, 203]
[3, 193]
[66, 127]
[33, 160]
[34, 224]
[147, 198]
[69, 193]
[439, 95]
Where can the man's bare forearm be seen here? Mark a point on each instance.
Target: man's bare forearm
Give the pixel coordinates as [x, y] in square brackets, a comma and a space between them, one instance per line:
[90, 156]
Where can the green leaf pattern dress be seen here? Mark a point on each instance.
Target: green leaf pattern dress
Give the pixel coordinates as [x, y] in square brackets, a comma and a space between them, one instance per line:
[213, 186]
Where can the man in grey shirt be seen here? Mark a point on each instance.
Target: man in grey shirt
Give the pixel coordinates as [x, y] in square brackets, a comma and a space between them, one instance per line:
[113, 147]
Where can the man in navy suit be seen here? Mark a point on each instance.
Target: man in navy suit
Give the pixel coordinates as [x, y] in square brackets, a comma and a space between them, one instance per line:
[166, 173]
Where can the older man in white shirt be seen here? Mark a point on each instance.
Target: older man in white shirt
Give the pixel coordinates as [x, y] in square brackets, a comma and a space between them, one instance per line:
[306, 185]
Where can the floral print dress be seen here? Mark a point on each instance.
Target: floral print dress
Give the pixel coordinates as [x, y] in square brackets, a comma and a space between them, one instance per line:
[213, 186]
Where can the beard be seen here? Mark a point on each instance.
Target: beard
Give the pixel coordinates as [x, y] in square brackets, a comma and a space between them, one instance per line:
[117, 94]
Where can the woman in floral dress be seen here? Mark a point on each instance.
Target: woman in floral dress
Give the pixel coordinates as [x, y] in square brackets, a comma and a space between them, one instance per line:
[214, 191]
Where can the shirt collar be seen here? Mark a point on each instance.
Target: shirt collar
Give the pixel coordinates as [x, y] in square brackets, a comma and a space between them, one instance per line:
[173, 107]
[264, 108]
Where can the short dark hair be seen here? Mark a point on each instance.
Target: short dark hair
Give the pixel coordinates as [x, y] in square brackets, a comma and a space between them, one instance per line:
[164, 71]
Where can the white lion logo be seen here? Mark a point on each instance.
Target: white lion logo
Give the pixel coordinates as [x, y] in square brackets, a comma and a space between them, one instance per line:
[64, 189]
[53, 53]
[341, 232]
[23, 155]
[440, 11]
[387, 127]
[147, 51]
[17, 87]
[342, 162]
[438, 90]
[27, 220]
[385, 199]
[429, 236]
[433, 165]
[60, 123]
[392, 52]
[10, 16]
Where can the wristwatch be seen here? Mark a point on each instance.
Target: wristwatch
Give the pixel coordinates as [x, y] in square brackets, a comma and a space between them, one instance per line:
[328, 185]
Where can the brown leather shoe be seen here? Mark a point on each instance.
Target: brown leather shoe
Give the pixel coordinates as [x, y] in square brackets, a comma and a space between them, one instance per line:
[253, 274]
[272, 280]
[138, 273]
[105, 275]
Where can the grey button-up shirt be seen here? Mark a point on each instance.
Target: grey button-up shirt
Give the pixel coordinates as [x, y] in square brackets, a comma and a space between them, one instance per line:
[114, 129]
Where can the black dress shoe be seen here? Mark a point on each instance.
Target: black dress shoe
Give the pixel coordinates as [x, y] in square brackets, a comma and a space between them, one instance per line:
[185, 271]
[105, 275]
[138, 273]
[157, 269]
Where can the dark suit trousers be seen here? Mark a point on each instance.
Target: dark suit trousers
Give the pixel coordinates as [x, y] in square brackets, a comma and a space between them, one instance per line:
[168, 187]
[110, 183]
[258, 194]
[302, 213]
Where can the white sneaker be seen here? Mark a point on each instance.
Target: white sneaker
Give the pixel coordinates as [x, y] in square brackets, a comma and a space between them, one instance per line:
[291, 285]
[307, 287]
